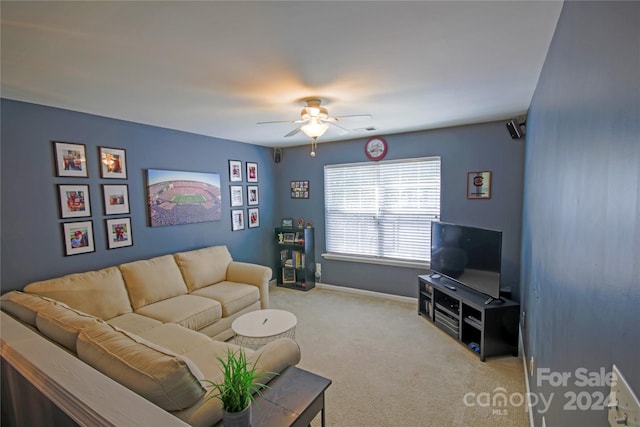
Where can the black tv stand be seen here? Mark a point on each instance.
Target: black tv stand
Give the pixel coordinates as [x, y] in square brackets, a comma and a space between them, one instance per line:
[492, 299]
[466, 315]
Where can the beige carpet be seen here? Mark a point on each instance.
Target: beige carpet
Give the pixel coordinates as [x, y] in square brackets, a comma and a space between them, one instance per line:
[391, 367]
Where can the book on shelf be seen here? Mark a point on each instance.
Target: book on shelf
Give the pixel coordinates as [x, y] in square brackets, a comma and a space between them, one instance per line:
[297, 259]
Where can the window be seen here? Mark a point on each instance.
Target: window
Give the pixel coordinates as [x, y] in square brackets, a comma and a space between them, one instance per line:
[382, 210]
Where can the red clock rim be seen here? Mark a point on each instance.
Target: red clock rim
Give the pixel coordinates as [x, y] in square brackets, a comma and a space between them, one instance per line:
[384, 151]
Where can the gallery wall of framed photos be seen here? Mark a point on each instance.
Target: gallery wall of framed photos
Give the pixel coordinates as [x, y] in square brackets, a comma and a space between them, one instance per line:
[238, 193]
[75, 202]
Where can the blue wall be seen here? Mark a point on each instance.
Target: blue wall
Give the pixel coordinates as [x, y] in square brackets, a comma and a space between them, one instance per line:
[32, 245]
[462, 149]
[581, 226]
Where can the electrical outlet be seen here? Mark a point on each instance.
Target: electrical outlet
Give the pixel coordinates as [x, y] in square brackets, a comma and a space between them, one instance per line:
[318, 268]
[624, 407]
[531, 366]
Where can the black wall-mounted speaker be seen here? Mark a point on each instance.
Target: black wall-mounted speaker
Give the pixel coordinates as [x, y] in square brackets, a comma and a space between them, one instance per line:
[277, 155]
[514, 129]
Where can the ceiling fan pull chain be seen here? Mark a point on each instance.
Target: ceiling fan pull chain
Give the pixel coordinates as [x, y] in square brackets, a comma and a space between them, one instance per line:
[313, 146]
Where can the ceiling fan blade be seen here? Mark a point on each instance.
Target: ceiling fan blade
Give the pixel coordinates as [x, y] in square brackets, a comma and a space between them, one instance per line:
[282, 121]
[293, 132]
[368, 116]
[342, 131]
[277, 121]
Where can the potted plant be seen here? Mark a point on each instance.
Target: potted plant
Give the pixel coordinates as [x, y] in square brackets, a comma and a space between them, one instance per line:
[236, 391]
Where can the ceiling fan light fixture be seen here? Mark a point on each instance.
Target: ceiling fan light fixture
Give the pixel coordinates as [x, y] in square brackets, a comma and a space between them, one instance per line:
[314, 129]
[316, 122]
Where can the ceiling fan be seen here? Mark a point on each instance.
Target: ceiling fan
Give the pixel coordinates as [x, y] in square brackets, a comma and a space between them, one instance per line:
[314, 122]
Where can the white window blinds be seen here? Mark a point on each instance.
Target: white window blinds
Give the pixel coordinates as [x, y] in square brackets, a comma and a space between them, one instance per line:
[382, 209]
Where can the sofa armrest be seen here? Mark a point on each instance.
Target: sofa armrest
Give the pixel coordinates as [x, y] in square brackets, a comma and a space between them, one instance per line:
[252, 274]
[275, 357]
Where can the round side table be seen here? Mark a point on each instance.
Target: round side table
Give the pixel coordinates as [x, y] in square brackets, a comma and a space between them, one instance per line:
[255, 329]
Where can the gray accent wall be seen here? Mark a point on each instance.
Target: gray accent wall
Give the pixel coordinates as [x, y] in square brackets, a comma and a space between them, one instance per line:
[581, 224]
[32, 245]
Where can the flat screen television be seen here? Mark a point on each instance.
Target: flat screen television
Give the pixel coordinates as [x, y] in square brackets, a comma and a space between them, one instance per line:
[468, 255]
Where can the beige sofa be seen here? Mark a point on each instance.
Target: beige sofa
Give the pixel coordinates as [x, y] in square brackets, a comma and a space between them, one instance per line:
[156, 325]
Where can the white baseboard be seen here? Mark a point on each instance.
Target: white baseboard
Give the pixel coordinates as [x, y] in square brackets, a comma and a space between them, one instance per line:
[526, 376]
[396, 298]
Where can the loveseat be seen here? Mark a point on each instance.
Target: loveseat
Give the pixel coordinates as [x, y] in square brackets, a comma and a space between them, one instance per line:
[157, 325]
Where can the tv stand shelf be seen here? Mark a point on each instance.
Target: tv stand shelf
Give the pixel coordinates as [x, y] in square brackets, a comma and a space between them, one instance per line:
[465, 315]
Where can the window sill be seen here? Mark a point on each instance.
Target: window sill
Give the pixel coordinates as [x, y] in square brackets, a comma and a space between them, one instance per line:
[377, 261]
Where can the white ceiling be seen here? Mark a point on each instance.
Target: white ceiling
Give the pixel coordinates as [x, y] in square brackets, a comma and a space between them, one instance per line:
[217, 68]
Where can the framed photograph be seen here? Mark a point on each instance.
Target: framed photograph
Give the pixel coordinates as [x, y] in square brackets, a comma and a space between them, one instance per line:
[479, 185]
[235, 170]
[74, 201]
[78, 237]
[237, 219]
[252, 195]
[113, 163]
[289, 237]
[299, 189]
[119, 233]
[252, 172]
[236, 195]
[254, 217]
[116, 199]
[286, 223]
[71, 159]
[288, 275]
[176, 198]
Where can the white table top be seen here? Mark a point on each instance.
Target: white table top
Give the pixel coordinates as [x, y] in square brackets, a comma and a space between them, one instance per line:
[264, 323]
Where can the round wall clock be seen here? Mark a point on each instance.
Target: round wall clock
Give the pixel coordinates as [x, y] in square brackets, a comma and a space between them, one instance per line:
[375, 148]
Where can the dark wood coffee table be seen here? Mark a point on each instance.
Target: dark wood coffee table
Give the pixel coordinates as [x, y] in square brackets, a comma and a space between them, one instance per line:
[293, 398]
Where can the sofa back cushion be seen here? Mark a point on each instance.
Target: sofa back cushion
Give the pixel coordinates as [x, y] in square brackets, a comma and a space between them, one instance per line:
[24, 306]
[53, 319]
[62, 323]
[152, 280]
[203, 267]
[169, 380]
[101, 293]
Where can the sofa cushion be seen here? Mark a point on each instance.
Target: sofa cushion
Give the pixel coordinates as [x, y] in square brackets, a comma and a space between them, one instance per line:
[135, 323]
[175, 337]
[24, 306]
[191, 311]
[100, 293]
[152, 280]
[168, 380]
[62, 323]
[233, 296]
[203, 267]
